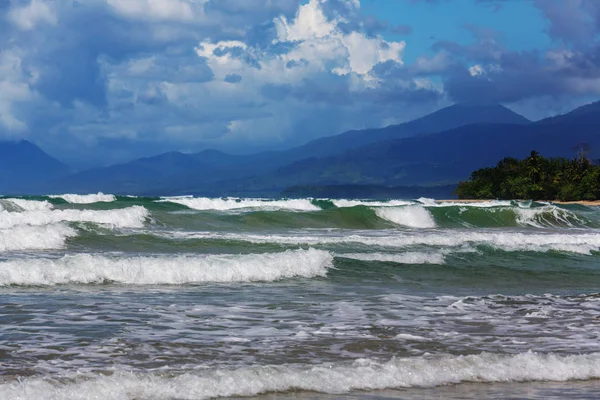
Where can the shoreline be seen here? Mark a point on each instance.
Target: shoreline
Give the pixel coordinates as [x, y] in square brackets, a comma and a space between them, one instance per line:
[588, 203]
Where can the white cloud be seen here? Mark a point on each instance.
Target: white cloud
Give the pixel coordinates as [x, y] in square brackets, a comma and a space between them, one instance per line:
[484, 70]
[14, 88]
[476, 70]
[310, 23]
[364, 53]
[27, 17]
[152, 73]
[317, 45]
[159, 10]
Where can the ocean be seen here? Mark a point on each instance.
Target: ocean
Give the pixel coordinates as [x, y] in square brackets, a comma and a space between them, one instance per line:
[122, 297]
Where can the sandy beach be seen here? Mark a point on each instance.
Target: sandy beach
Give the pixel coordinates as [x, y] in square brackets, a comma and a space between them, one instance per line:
[589, 203]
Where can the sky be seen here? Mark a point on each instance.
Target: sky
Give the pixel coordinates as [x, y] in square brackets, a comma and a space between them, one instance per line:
[96, 82]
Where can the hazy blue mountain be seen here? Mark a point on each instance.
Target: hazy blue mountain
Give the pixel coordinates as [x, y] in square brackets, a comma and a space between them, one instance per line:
[222, 173]
[444, 157]
[370, 192]
[588, 112]
[442, 120]
[144, 175]
[24, 167]
[447, 118]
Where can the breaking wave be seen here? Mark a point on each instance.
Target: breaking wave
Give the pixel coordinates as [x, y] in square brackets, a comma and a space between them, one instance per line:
[131, 217]
[409, 216]
[85, 198]
[353, 203]
[169, 270]
[548, 216]
[581, 243]
[17, 205]
[402, 258]
[35, 237]
[344, 213]
[362, 374]
[230, 203]
[477, 204]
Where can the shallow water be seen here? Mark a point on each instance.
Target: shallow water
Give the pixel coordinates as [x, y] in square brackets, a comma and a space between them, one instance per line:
[105, 296]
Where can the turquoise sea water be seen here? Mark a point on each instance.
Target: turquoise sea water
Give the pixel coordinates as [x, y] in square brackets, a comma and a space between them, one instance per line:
[115, 297]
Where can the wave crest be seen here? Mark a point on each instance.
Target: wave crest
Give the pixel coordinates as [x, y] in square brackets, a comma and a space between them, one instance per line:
[131, 217]
[231, 203]
[584, 243]
[18, 205]
[35, 237]
[409, 216]
[85, 198]
[168, 270]
[402, 258]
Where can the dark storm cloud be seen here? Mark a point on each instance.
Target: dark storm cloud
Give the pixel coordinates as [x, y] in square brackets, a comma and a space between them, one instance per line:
[515, 76]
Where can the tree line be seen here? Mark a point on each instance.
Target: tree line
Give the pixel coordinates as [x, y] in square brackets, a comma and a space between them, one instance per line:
[535, 178]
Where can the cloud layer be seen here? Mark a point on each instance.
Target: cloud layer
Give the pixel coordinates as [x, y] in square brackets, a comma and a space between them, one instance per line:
[100, 81]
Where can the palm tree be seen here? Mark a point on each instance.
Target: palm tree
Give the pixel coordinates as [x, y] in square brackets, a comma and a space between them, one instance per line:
[533, 167]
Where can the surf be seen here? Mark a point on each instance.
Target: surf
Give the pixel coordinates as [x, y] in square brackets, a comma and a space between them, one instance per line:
[166, 269]
[85, 198]
[131, 217]
[580, 243]
[336, 378]
[46, 237]
[232, 203]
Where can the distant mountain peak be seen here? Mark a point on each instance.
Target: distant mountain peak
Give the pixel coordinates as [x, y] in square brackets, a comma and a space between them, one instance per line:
[469, 107]
[588, 108]
[24, 165]
[461, 114]
[591, 110]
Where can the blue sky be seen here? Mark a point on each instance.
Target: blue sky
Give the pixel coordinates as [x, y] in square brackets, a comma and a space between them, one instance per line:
[101, 81]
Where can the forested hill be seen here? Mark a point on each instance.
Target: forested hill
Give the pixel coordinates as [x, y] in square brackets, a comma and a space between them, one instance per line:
[535, 178]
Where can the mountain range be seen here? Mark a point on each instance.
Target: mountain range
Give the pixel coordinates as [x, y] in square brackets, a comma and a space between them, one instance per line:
[438, 149]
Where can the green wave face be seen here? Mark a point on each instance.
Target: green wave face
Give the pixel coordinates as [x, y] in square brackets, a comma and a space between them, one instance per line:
[245, 215]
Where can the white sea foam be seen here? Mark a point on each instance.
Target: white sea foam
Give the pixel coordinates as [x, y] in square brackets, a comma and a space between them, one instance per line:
[547, 216]
[478, 204]
[581, 243]
[10, 204]
[353, 203]
[171, 270]
[131, 217]
[230, 203]
[410, 216]
[35, 237]
[85, 198]
[400, 258]
[362, 374]
[414, 338]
